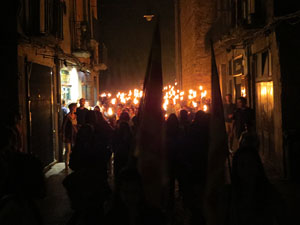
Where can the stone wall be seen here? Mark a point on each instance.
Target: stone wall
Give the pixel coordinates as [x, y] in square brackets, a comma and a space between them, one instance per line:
[196, 18]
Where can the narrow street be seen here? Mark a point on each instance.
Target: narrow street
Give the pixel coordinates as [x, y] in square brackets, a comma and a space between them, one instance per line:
[55, 207]
[190, 109]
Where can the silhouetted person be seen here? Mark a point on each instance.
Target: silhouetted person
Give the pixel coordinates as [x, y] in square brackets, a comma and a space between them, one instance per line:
[97, 108]
[81, 112]
[192, 177]
[229, 109]
[87, 186]
[21, 184]
[254, 199]
[184, 122]
[172, 148]
[69, 131]
[122, 146]
[64, 109]
[129, 207]
[124, 117]
[243, 116]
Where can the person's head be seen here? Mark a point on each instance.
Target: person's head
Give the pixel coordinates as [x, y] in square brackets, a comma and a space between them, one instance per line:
[200, 117]
[82, 102]
[172, 120]
[72, 107]
[97, 108]
[90, 117]
[125, 116]
[228, 98]
[63, 102]
[183, 115]
[241, 102]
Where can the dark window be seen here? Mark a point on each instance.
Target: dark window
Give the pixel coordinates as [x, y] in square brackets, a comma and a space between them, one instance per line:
[265, 63]
[54, 11]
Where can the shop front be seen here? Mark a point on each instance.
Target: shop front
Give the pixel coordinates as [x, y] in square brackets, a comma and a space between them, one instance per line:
[71, 85]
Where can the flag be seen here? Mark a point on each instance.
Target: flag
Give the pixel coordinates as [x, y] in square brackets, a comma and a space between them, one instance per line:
[149, 146]
[218, 148]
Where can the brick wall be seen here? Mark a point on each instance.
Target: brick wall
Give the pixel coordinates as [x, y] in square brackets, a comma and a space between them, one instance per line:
[196, 17]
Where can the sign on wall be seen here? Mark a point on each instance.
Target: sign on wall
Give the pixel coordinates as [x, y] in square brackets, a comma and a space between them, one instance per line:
[238, 67]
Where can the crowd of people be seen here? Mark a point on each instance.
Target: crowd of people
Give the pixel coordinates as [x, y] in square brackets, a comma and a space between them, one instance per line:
[104, 184]
[92, 141]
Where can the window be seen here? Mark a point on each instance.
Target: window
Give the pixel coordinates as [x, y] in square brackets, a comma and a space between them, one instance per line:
[86, 92]
[263, 64]
[54, 11]
[258, 65]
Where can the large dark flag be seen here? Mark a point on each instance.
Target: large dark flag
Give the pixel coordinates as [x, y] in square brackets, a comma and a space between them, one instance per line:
[149, 148]
[218, 149]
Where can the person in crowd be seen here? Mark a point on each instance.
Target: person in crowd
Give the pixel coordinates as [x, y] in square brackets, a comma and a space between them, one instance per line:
[122, 146]
[87, 186]
[81, 112]
[184, 122]
[242, 117]
[97, 108]
[113, 121]
[229, 109]
[22, 183]
[64, 109]
[254, 199]
[69, 132]
[172, 148]
[124, 117]
[193, 157]
[129, 206]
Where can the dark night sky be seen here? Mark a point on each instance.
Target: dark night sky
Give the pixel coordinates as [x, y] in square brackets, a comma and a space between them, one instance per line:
[127, 36]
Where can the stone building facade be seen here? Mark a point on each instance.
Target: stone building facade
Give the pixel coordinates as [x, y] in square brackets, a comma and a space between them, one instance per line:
[58, 59]
[256, 45]
[194, 19]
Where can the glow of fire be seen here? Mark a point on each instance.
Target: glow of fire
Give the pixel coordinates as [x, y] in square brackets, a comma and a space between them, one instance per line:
[113, 101]
[103, 95]
[200, 88]
[243, 92]
[194, 104]
[203, 94]
[135, 101]
[110, 111]
[205, 108]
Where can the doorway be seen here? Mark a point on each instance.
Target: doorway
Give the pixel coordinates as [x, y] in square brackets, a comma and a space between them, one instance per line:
[40, 113]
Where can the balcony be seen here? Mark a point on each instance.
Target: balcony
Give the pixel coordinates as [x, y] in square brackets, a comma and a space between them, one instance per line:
[81, 40]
